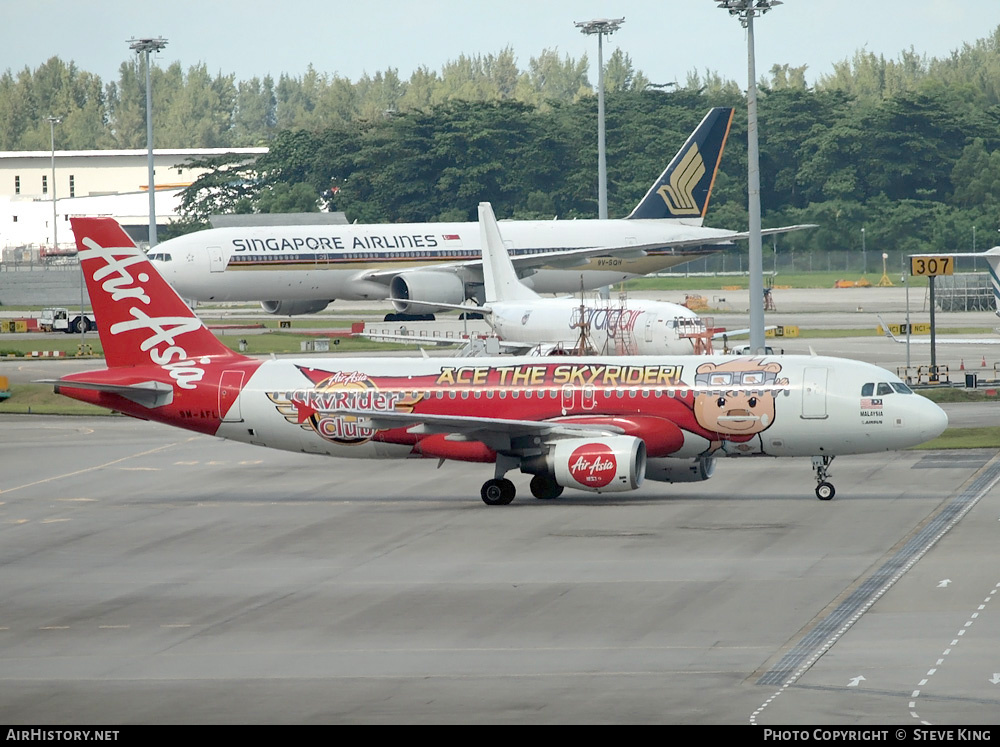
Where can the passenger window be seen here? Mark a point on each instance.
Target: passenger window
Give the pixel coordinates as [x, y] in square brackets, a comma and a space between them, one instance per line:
[884, 389]
[867, 390]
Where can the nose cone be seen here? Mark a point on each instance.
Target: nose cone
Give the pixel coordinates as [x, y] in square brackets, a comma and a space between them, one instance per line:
[930, 422]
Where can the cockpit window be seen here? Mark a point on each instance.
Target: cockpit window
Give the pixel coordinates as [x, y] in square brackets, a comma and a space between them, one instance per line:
[867, 390]
[902, 388]
[884, 389]
[160, 256]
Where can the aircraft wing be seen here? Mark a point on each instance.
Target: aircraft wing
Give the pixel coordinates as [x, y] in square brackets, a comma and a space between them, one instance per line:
[738, 332]
[568, 259]
[444, 341]
[497, 433]
[577, 257]
[414, 339]
[503, 346]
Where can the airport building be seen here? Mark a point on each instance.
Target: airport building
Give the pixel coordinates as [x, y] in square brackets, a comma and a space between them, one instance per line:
[89, 182]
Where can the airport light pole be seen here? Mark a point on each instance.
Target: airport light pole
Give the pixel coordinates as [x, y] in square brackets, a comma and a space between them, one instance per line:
[53, 121]
[602, 27]
[147, 46]
[746, 11]
[864, 254]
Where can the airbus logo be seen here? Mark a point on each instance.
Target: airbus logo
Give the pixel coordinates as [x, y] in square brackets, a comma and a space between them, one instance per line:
[678, 194]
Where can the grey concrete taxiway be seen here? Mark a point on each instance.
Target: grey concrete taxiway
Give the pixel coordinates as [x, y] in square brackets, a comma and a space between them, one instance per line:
[153, 576]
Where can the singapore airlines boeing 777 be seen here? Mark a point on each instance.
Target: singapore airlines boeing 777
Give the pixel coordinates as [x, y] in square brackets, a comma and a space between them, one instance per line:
[301, 269]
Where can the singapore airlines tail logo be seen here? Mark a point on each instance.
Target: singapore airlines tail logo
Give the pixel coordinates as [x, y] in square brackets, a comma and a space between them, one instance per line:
[678, 194]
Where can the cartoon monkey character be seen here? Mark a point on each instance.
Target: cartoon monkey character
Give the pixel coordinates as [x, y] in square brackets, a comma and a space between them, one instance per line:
[735, 402]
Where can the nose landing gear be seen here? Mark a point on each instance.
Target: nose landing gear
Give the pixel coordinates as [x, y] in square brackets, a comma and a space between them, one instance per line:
[824, 490]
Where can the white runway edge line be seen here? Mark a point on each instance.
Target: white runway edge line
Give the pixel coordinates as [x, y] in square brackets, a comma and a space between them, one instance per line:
[823, 636]
[95, 467]
[944, 654]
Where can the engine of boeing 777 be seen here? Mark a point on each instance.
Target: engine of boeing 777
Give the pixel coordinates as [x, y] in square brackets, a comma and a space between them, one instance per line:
[292, 308]
[444, 287]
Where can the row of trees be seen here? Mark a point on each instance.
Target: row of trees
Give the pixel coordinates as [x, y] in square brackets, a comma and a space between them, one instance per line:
[905, 148]
[196, 109]
[917, 170]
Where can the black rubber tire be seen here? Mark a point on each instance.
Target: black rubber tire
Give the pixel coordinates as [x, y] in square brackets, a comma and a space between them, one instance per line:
[825, 491]
[545, 488]
[498, 492]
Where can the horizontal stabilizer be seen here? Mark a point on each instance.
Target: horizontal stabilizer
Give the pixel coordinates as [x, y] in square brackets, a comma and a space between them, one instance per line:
[146, 393]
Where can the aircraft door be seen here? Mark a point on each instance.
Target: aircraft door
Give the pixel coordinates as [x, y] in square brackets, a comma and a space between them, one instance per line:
[215, 261]
[814, 393]
[230, 386]
[572, 397]
[649, 329]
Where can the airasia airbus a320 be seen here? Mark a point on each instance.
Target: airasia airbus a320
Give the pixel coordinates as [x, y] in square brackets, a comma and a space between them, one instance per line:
[600, 424]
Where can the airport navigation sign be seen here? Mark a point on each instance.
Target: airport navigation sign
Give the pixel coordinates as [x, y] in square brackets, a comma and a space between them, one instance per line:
[932, 265]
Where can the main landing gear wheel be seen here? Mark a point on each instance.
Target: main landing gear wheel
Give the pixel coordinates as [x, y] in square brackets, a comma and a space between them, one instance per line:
[498, 492]
[544, 487]
[824, 490]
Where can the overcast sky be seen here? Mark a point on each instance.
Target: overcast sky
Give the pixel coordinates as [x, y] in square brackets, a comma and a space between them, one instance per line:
[665, 38]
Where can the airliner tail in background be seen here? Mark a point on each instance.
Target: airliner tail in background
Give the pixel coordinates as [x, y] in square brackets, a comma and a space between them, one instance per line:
[685, 186]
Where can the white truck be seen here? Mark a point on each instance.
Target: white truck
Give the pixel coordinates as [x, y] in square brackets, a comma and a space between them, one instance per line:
[58, 319]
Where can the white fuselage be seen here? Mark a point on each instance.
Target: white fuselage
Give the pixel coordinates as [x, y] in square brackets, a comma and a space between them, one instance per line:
[773, 406]
[356, 262]
[629, 327]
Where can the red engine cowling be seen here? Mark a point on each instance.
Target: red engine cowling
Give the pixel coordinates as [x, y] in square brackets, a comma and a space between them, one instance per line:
[602, 465]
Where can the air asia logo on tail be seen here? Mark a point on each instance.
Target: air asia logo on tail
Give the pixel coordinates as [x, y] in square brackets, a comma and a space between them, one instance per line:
[161, 344]
[679, 194]
[593, 465]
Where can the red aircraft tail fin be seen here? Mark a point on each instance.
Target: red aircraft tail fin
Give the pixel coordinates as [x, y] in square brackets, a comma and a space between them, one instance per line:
[140, 317]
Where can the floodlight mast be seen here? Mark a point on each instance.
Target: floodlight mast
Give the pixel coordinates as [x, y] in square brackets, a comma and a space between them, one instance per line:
[149, 45]
[53, 121]
[602, 27]
[746, 11]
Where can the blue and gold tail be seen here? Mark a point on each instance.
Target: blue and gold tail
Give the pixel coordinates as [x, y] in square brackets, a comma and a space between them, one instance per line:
[684, 188]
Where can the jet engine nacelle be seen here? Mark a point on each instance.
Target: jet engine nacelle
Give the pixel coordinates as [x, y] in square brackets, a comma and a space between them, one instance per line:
[669, 469]
[444, 287]
[601, 465]
[291, 308]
